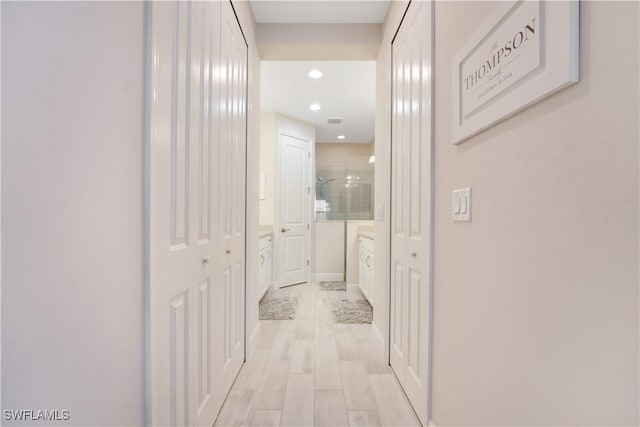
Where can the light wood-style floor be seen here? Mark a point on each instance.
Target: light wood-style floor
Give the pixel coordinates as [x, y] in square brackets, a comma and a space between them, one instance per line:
[312, 372]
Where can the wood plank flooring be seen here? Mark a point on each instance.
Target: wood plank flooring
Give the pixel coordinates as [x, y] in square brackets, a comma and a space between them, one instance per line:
[312, 372]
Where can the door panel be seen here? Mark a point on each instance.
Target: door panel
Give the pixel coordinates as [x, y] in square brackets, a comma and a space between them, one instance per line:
[294, 210]
[229, 304]
[397, 353]
[232, 146]
[398, 208]
[411, 249]
[203, 375]
[197, 139]
[179, 365]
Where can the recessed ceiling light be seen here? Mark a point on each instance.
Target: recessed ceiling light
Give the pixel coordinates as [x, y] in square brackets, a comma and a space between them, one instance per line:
[314, 107]
[315, 74]
[341, 137]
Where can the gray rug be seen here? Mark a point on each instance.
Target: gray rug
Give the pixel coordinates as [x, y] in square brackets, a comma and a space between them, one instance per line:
[278, 308]
[352, 311]
[333, 286]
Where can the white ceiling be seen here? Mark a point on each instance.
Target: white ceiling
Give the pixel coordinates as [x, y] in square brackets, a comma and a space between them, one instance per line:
[346, 90]
[320, 12]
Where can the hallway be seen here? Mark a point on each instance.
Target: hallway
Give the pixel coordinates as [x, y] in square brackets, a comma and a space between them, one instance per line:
[165, 165]
[310, 371]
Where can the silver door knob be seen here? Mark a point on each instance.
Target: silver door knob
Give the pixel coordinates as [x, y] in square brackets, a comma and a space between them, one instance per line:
[228, 251]
[284, 229]
[413, 254]
[205, 260]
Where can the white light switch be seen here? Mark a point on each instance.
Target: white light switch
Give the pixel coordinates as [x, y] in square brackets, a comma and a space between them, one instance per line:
[462, 204]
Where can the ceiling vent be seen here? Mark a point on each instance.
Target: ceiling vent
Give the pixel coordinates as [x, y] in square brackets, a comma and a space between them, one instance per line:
[334, 120]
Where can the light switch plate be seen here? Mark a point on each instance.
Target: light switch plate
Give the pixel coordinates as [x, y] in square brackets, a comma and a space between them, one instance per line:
[461, 205]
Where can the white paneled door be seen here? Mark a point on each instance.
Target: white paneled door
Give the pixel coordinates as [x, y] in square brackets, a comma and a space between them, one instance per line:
[411, 204]
[229, 295]
[196, 196]
[294, 210]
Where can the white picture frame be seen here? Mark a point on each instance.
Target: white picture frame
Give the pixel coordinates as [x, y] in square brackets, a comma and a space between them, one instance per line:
[490, 86]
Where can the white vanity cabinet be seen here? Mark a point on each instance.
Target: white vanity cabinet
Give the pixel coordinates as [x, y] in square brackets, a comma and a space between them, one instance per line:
[366, 255]
[266, 263]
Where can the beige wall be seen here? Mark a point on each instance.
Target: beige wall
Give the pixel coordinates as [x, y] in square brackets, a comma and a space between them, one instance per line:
[329, 250]
[318, 42]
[268, 152]
[72, 210]
[536, 300]
[328, 253]
[336, 154]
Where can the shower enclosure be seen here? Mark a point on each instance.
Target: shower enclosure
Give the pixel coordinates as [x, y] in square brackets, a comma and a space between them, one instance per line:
[345, 193]
[344, 202]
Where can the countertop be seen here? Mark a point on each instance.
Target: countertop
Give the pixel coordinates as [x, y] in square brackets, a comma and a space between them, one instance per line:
[265, 230]
[367, 234]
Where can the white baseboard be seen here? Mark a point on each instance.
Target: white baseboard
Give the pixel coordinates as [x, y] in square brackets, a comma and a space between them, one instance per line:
[377, 331]
[328, 277]
[253, 339]
[431, 424]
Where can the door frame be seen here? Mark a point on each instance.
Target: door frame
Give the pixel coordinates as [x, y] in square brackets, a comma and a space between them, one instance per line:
[310, 205]
[430, 260]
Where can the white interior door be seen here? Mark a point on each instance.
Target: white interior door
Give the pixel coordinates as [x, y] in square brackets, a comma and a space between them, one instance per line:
[229, 295]
[293, 210]
[411, 205]
[197, 140]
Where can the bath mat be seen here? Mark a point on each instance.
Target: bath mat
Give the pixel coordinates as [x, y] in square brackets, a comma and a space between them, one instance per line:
[333, 286]
[352, 311]
[278, 308]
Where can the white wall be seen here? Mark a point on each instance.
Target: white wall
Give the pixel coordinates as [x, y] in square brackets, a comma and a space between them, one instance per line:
[541, 289]
[247, 23]
[72, 220]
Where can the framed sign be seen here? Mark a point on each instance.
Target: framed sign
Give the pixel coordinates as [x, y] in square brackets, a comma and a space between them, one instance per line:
[526, 51]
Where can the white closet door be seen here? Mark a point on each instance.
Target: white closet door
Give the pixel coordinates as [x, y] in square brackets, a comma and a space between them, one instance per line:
[181, 279]
[196, 291]
[229, 291]
[411, 255]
